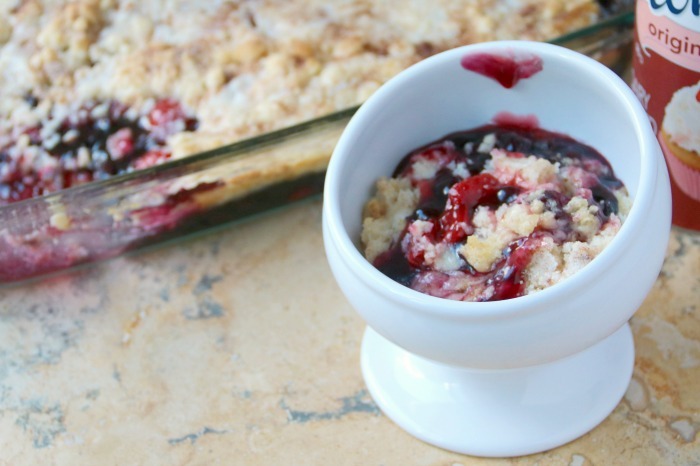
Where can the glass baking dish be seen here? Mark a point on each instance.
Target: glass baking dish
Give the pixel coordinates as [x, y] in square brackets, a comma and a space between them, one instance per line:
[107, 218]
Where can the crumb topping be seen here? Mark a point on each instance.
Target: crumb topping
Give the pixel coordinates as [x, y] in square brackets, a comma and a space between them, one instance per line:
[237, 68]
[513, 224]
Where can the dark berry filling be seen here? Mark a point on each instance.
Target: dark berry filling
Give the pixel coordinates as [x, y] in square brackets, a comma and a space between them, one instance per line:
[447, 202]
[99, 140]
[462, 200]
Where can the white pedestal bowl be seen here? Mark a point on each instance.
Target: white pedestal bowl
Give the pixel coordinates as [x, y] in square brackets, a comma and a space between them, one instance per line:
[518, 376]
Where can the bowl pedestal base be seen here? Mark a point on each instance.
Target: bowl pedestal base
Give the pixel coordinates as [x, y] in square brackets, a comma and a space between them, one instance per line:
[498, 413]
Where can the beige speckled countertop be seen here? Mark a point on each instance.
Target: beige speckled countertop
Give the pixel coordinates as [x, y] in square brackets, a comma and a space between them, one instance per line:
[237, 347]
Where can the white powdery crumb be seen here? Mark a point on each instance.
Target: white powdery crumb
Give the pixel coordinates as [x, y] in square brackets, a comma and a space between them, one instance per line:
[487, 143]
[545, 266]
[60, 221]
[585, 220]
[520, 220]
[482, 252]
[459, 169]
[425, 169]
[385, 215]
[530, 171]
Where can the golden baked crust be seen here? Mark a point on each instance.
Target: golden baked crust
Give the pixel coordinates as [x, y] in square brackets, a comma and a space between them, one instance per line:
[241, 68]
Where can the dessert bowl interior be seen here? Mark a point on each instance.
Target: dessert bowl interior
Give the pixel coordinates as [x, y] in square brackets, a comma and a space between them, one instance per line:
[573, 95]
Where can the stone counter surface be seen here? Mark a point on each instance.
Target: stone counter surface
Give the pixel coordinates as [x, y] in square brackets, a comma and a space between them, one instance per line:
[238, 348]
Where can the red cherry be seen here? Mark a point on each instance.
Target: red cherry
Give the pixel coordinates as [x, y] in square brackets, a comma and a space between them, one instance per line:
[120, 144]
[416, 254]
[151, 158]
[165, 111]
[462, 199]
[508, 280]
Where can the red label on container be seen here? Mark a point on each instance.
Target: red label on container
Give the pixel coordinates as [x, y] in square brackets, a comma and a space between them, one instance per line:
[666, 80]
[666, 37]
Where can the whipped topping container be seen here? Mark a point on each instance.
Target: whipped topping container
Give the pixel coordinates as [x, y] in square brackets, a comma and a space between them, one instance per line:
[666, 79]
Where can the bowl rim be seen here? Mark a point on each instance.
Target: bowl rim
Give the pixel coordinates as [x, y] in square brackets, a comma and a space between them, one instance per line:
[522, 305]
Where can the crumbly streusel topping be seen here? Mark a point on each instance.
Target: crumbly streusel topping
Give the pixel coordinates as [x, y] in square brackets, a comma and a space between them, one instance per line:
[466, 219]
[244, 67]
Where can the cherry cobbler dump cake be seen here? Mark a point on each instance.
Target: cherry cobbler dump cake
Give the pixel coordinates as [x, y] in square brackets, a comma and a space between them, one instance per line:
[493, 213]
[90, 89]
[94, 88]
